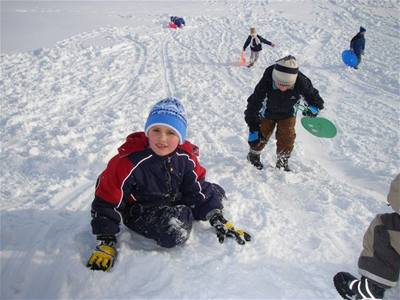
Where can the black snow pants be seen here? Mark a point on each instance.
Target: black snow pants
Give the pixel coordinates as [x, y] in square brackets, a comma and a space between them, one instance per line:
[169, 226]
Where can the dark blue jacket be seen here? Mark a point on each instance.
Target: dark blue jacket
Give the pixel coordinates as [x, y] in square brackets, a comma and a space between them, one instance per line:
[136, 175]
[256, 47]
[357, 44]
[178, 21]
[279, 105]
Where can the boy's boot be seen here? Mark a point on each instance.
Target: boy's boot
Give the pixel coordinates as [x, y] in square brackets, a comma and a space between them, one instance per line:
[282, 162]
[254, 158]
[349, 287]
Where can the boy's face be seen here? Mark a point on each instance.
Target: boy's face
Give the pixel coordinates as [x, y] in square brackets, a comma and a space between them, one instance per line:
[282, 88]
[162, 140]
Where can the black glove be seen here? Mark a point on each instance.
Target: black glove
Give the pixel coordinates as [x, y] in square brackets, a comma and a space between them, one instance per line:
[311, 111]
[254, 126]
[103, 256]
[226, 229]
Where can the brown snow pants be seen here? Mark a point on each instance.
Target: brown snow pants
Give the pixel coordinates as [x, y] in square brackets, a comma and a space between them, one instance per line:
[285, 135]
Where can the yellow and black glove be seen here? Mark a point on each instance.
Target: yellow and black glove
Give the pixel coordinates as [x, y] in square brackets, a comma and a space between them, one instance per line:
[103, 256]
[226, 229]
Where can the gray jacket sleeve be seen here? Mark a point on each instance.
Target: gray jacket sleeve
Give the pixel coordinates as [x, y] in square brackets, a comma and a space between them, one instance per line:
[380, 258]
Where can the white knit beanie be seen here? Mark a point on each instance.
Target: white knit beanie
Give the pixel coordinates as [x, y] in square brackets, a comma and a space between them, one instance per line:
[285, 71]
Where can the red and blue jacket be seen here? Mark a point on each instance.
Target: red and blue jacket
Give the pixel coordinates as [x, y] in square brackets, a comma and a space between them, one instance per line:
[178, 21]
[136, 175]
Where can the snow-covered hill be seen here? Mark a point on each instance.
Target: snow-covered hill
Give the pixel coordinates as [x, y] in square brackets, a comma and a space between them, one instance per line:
[78, 77]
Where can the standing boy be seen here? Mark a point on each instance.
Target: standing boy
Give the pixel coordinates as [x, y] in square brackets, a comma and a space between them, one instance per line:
[357, 45]
[272, 106]
[255, 40]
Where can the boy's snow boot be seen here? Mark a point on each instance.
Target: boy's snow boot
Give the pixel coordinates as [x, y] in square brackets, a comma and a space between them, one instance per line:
[254, 159]
[349, 287]
[282, 162]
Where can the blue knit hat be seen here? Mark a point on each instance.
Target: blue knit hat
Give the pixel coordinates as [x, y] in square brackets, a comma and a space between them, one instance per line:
[168, 112]
[362, 29]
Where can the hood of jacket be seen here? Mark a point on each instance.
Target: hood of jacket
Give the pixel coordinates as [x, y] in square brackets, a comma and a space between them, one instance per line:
[135, 142]
[394, 194]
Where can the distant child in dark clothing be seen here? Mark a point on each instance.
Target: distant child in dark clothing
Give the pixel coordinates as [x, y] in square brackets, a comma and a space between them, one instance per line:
[178, 21]
[357, 45]
[156, 186]
[255, 41]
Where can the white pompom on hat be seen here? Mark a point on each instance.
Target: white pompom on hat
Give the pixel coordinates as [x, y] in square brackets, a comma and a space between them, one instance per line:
[285, 71]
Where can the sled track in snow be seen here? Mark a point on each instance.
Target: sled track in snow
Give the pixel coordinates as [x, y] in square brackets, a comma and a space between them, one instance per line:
[69, 107]
[125, 48]
[169, 83]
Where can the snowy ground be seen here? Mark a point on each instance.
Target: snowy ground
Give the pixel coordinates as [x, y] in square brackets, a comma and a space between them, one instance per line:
[78, 77]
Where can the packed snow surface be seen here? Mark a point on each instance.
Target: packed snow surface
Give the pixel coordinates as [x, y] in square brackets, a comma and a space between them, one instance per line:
[78, 77]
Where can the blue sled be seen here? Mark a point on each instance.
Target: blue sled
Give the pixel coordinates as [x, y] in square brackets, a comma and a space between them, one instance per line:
[349, 58]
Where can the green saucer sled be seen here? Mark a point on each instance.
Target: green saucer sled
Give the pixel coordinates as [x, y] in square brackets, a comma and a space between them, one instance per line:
[319, 127]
